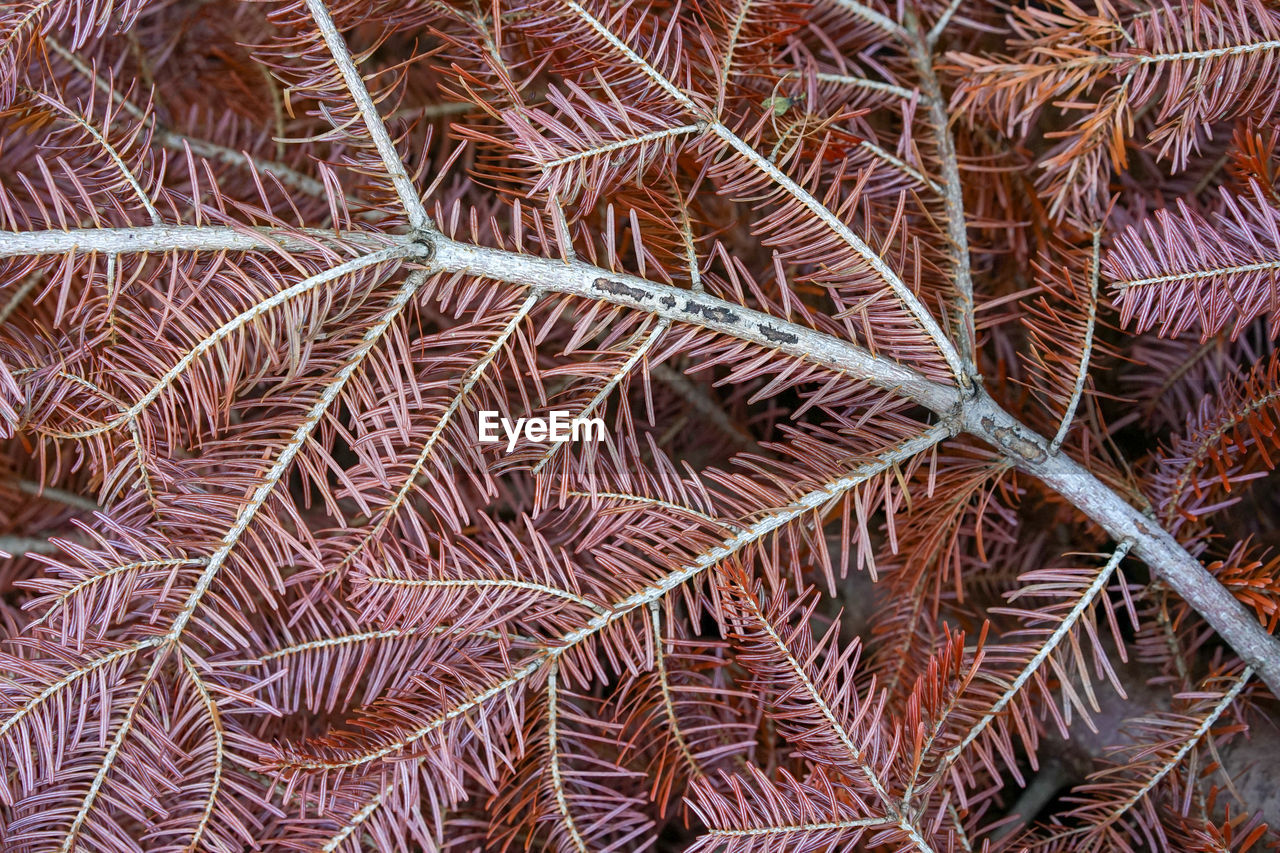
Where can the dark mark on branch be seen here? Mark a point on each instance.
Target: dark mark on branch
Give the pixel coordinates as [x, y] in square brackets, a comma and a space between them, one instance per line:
[716, 314]
[775, 335]
[617, 288]
[668, 302]
[1008, 438]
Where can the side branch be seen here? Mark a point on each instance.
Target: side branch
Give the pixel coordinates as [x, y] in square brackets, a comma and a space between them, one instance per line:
[787, 829]
[866, 13]
[405, 190]
[1196, 275]
[906, 296]
[952, 195]
[1046, 650]
[1086, 350]
[236, 323]
[618, 610]
[281, 467]
[553, 749]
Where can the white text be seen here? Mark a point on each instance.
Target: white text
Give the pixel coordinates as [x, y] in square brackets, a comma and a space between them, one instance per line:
[558, 427]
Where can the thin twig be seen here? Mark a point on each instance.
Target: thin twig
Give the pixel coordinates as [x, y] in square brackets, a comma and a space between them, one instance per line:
[953, 198]
[61, 496]
[871, 85]
[180, 142]
[241, 320]
[941, 24]
[553, 761]
[1086, 350]
[866, 13]
[1045, 650]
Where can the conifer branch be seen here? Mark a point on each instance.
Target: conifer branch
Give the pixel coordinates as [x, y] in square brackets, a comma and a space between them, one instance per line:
[482, 583]
[388, 513]
[71, 838]
[219, 750]
[620, 609]
[553, 751]
[939, 26]
[621, 145]
[871, 85]
[815, 696]
[982, 417]
[668, 703]
[1101, 823]
[126, 173]
[598, 399]
[879, 19]
[95, 579]
[283, 461]
[952, 194]
[234, 325]
[179, 142]
[793, 828]
[1043, 653]
[354, 823]
[685, 306]
[80, 672]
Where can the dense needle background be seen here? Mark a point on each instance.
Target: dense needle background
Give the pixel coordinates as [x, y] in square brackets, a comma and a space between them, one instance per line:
[269, 591]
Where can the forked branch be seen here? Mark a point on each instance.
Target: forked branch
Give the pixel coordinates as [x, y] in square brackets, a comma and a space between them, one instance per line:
[713, 124]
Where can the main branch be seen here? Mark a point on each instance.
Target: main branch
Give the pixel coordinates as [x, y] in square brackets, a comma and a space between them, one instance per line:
[158, 239]
[978, 415]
